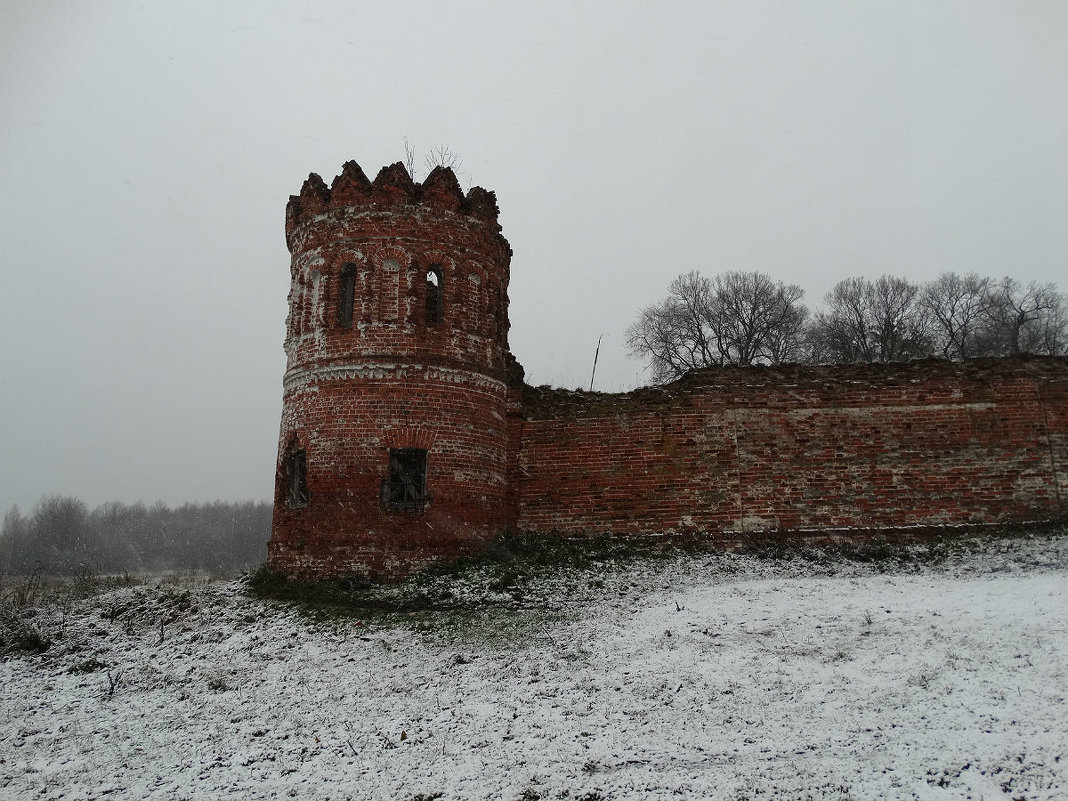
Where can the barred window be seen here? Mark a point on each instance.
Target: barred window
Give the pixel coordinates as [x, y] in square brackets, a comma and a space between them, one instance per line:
[405, 489]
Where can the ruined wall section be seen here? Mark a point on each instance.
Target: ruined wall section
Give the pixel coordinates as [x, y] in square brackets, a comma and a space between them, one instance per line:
[369, 370]
[744, 450]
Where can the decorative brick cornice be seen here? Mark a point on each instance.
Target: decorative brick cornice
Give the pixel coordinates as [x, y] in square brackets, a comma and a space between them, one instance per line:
[303, 377]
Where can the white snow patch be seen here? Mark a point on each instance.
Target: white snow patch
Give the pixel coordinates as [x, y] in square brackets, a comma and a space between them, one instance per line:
[763, 683]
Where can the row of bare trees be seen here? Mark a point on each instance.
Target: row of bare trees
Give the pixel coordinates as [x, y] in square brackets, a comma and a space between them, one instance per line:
[62, 536]
[747, 318]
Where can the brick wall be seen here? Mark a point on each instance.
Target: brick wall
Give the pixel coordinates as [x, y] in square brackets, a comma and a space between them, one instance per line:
[732, 450]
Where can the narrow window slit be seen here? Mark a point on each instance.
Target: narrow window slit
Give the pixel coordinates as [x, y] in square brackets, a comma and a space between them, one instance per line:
[434, 296]
[346, 295]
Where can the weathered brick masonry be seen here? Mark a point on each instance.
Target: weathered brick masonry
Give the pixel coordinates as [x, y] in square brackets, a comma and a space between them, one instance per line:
[738, 450]
[408, 436]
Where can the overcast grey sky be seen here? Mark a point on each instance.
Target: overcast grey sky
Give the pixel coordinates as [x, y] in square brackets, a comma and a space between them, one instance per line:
[147, 151]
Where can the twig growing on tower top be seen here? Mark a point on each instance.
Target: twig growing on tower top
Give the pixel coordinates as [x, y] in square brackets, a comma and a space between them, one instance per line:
[409, 158]
[442, 156]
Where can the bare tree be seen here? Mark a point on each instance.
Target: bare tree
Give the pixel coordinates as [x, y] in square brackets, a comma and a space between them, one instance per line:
[1025, 319]
[1055, 329]
[62, 523]
[841, 334]
[871, 321]
[955, 306]
[756, 320]
[13, 538]
[670, 334]
[734, 318]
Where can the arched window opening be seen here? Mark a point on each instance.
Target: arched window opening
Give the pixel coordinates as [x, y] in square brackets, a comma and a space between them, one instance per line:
[296, 477]
[405, 489]
[346, 295]
[435, 296]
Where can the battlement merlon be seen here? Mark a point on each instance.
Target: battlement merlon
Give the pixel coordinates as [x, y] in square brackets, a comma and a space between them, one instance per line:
[392, 188]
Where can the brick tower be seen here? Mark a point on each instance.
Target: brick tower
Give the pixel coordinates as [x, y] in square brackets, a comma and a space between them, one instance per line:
[395, 447]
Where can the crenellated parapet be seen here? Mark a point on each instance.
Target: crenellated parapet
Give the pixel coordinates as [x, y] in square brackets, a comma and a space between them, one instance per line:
[391, 190]
[396, 269]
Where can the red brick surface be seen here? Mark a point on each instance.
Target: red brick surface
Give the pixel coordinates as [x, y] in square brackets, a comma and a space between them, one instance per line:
[737, 450]
[722, 452]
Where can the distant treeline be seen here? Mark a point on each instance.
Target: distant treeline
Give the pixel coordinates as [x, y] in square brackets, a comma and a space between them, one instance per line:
[747, 318]
[63, 537]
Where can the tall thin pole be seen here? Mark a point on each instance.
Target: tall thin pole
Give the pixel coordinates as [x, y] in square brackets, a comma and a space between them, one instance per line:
[596, 353]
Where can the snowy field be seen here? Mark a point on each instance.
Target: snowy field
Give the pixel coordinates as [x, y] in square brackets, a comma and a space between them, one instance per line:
[699, 676]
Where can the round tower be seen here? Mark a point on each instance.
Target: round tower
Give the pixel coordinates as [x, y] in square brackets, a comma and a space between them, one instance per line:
[394, 445]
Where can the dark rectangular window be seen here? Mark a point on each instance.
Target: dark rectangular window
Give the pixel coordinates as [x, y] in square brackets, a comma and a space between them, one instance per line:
[346, 295]
[296, 479]
[405, 489]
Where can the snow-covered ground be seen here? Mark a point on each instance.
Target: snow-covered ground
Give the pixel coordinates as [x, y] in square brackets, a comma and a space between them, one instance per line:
[701, 676]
